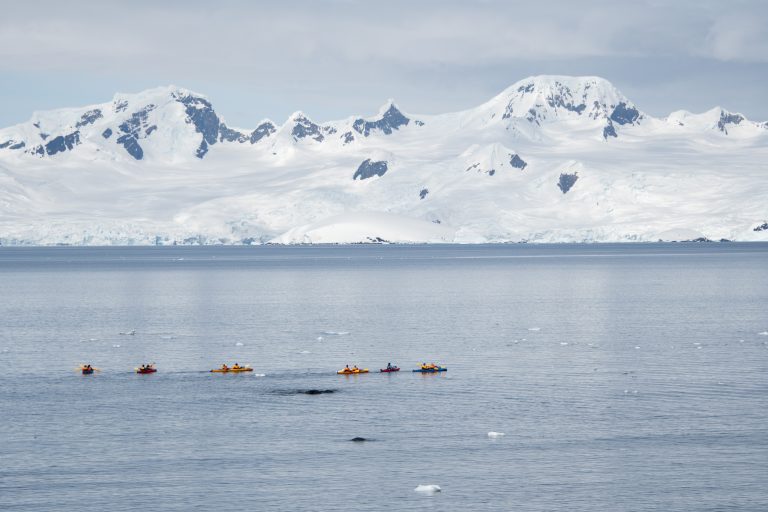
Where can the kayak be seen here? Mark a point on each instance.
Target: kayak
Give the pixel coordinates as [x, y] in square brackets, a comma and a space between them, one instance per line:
[390, 370]
[144, 371]
[432, 370]
[232, 370]
[87, 371]
[352, 372]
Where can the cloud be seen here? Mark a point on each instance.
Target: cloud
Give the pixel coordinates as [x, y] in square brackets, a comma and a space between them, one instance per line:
[244, 37]
[341, 57]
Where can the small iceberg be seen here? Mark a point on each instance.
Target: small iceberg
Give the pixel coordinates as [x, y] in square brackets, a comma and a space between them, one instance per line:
[132, 332]
[238, 344]
[335, 333]
[428, 488]
[764, 333]
[495, 435]
[534, 328]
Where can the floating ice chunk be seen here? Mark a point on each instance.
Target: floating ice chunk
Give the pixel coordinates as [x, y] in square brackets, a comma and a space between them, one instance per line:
[259, 374]
[637, 348]
[428, 488]
[495, 435]
[764, 333]
[132, 332]
[305, 352]
[238, 344]
[563, 343]
[93, 339]
[319, 338]
[336, 333]
[115, 346]
[534, 328]
[166, 337]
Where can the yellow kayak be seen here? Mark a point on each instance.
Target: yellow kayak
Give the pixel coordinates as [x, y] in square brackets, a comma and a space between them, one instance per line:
[352, 372]
[232, 370]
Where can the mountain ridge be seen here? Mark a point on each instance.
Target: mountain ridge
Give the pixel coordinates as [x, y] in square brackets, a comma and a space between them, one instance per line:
[549, 158]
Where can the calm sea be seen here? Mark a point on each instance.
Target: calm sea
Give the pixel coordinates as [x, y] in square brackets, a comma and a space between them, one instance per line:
[624, 377]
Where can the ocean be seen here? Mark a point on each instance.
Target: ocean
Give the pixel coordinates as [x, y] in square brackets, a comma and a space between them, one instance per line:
[624, 377]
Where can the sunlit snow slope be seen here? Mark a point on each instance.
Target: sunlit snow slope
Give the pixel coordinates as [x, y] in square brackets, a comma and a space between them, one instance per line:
[550, 159]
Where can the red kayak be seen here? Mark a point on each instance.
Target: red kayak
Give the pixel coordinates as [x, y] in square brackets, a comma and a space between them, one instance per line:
[146, 370]
[390, 370]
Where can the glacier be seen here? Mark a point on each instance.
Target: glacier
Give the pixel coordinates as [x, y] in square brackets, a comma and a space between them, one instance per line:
[549, 159]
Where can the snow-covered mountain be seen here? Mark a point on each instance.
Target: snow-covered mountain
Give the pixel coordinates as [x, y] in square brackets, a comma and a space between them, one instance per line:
[549, 159]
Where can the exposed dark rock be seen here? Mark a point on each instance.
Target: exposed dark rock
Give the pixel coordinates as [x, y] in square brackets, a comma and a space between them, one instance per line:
[491, 172]
[609, 131]
[565, 101]
[18, 145]
[369, 168]
[762, 227]
[306, 128]
[360, 439]
[423, 193]
[228, 134]
[62, 143]
[517, 162]
[700, 239]
[134, 128]
[622, 114]
[265, 129]
[201, 114]
[392, 119]
[131, 145]
[418, 123]
[89, 117]
[347, 137]
[726, 119]
[120, 106]
[566, 181]
[44, 135]
[5, 144]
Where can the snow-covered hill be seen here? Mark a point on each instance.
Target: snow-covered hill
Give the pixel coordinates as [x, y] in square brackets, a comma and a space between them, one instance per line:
[549, 159]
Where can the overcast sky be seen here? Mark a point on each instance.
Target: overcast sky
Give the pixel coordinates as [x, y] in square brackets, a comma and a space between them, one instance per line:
[333, 59]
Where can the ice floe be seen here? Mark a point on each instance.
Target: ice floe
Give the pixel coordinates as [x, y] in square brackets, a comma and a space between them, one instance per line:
[495, 435]
[428, 488]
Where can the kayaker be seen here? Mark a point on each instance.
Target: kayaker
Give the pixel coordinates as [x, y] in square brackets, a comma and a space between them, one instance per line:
[224, 367]
[236, 367]
[389, 366]
[347, 369]
[355, 369]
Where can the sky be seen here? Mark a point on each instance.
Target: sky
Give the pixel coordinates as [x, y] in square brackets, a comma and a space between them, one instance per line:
[337, 58]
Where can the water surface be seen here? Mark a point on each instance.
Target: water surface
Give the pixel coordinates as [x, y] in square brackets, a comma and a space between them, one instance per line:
[625, 377]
